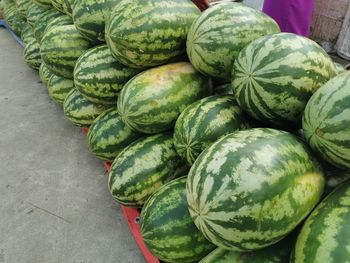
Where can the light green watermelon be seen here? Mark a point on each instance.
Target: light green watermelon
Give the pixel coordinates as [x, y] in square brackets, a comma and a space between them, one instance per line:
[251, 188]
[152, 100]
[167, 227]
[143, 167]
[59, 87]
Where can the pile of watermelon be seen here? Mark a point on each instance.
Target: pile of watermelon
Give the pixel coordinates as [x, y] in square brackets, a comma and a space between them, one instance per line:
[232, 138]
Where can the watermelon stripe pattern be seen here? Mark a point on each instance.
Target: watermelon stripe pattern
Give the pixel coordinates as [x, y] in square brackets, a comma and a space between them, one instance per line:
[325, 235]
[167, 228]
[79, 111]
[204, 122]
[61, 46]
[32, 53]
[42, 22]
[46, 4]
[33, 13]
[144, 34]
[221, 32]
[99, 77]
[109, 135]
[326, 121]
[59, 88]
[152, 100]
[251, 188]
[142, 168]
[274, 77]
[62, 20]
[45, 74]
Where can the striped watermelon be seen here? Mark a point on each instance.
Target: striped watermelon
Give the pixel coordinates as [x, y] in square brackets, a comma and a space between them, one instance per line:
[143, 34]
[59, 87]
[142, 168]
[275, 76]
[279, 253]
[167, 227]
[325, 235]
[109, 135]
[339, 68]
[152, 100]
[251, 188]
[80, 111]
[27, 34]
[62, 20]
[89, 17]
[61, 46]
[32, 54]
[18, 23]
[99, 77]
[45, 74]
[43, 3]
[22, 7]
[58, 4]
[33, 13]
[221, 32]
[204, 122]
[42, 22]
[326, 121]
[64, 6]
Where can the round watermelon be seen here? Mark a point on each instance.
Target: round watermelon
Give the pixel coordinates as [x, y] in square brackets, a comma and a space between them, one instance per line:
[274, 77]
[109, 135]
[326, 121]
[143, 167]
[221, 32]
[59, 87]
[62, 20]
[32, 54]
[80, 111]
[22, 7]
[144, 34]
[151, 101]
[99, 77]
[61, 47]
[167, 227]
[43, 3]
[204, 122]
[43, 20]
[251, 188]
[325, 234]
[33, 13]
[45, 74]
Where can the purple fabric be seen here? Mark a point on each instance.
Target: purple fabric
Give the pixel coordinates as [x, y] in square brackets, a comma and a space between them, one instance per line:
[293, 16]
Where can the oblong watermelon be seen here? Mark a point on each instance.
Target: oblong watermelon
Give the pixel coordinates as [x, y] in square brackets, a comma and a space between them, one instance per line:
[33, 13]
[45, 74]
[62, 20]
[32, 54]
[325, 234]
[204, 122]
[152, 100]
[59, 87]
[274, 77]
[143, 167]
[167, 227]
[221, 32]
[326, 121]
[61, 46]
[89, 17]
[80, 111]
[43, 20]
[144, 34]
[251, 188]
[99, 77]
[109, 135]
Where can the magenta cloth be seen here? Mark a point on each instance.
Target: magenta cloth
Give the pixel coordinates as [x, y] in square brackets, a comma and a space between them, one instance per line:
[293, 16]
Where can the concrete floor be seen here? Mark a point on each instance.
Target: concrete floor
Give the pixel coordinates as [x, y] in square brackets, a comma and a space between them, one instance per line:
[54, 202]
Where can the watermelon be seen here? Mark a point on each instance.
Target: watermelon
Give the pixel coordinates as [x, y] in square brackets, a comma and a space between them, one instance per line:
[64, 6]
[58, 4]
[22, 7]
[61, 46]
[43, 3]
[251, 188]
[143, 167]
[221, 32]
[42, 22]
[32, 54]
[144, 34]
[62, 20]
[33, 13]
[99, 77]
[325, 235]
[152, 100]
[45, 74]
[204, 122]
[89, 17]
[274, 77]
[80, 111]
[18, 23]
[108, 135]
[279, 253]
[223, 89]
[326, 121]
[167, 227]
[59, 88]
[339, 68]
[27, 34]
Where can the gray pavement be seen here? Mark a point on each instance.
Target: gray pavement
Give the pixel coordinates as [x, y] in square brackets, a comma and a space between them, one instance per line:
[54, 202]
